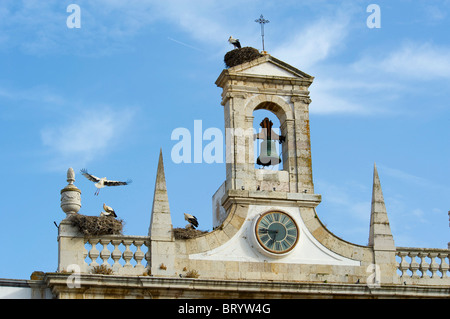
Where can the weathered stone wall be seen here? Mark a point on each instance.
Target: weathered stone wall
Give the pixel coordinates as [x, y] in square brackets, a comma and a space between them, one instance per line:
[241, 213]
[285, 93]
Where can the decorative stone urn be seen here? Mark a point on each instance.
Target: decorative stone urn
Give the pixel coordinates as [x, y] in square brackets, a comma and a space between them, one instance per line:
[70, 195]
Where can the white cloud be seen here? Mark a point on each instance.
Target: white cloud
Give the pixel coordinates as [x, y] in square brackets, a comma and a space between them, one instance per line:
[351, 88]
[41, 94]
[314, 43]
[197, 18]
[88, 136]
[39, 28]
[423, 61]
[435, 13]
[409, 178]
[413, 61]
[390, 74]
[326, 102]
[346, 198]
[419, 215]
[342, 203]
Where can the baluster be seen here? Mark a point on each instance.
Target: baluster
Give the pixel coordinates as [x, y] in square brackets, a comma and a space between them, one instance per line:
[116, 254]
[105, 253]
[139, 255]
[444, 267]
[93, 253]
[148, 254]
[434, 266]
[85, 252]
[127, 254]
[403, 265]
[413, 266]
[424, 266]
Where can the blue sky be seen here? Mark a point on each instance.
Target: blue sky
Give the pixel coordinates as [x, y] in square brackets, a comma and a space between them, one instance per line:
[107, 96]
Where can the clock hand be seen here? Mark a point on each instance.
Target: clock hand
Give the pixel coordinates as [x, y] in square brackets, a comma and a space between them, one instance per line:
[274, 231]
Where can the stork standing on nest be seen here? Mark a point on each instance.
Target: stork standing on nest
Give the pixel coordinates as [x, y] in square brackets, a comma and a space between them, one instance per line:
[235, 42]
[102, 182]
[108, 211]
[192, 220]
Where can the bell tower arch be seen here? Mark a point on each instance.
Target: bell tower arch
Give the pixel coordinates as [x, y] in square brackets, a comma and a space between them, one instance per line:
[269, 84]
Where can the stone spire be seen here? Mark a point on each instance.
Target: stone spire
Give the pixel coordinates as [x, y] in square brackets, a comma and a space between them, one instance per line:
[380, 235]
[161, 222]
[162, 243]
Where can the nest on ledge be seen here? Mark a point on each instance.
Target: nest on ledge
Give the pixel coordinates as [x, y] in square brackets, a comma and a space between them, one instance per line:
[96, 226]
[187, 233]
[239, 56]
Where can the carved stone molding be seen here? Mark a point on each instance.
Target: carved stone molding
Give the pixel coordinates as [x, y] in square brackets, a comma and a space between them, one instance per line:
[303, 99]
[240, 95]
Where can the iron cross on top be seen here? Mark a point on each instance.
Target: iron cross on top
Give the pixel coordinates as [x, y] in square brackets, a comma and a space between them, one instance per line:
[262, 22]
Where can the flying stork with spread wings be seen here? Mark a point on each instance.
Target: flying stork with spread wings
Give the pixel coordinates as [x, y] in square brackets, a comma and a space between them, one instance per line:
[102, 182]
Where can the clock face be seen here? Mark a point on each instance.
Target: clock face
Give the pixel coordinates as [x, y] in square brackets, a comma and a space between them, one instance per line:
[276, 232]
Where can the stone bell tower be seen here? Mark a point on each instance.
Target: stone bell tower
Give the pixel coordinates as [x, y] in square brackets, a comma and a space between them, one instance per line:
[270, 84]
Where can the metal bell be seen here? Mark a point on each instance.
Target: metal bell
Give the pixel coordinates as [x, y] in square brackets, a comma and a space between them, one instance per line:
[268, 154]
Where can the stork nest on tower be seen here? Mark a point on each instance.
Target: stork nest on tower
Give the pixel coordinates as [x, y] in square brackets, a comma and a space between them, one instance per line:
[239, 56]
[96, 226]
[183, 233]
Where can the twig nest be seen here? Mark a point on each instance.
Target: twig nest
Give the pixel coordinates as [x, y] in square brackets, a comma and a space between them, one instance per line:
[239, 56]
[96, 226]
[187, 233]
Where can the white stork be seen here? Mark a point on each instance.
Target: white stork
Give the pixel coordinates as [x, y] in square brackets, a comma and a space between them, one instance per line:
[108, 211]
[235, 42]
[192, 220]
[102, 182]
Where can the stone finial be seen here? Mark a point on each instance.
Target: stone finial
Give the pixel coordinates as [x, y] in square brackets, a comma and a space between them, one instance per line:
[70, 195]
[70, 176]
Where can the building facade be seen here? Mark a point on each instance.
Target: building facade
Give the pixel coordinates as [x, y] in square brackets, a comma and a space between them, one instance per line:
[268, 241]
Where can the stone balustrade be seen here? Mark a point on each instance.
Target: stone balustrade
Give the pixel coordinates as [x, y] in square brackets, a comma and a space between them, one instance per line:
[124, 255]
[423, 265]
[130, 256]
[116, 254]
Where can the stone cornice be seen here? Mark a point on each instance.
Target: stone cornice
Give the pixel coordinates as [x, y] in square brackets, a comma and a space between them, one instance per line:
[228, 75]
[156, 287]
[267, 198]
[237, 91]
